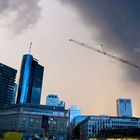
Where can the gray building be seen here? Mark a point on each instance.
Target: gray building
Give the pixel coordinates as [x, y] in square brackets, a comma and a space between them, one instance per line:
[7, 85]
[35, 120]
[30, 82]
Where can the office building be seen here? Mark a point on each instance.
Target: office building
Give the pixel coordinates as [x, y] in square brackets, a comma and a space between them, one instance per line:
[107, 126]
[124, 108]
[53, 100]
[30, 82]
[31, 120]
[7, 85]
[73, 112]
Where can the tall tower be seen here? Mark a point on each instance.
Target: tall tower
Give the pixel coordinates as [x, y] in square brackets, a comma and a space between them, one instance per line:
[7, 85]
[124, 108]
[30, 82]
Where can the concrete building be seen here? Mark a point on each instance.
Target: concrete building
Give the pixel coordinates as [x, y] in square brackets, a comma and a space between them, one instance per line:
[124, 108]
[73, 112]
[30, 82]
[53, 100]
[7, 85]
[93, 126]
[35, 120]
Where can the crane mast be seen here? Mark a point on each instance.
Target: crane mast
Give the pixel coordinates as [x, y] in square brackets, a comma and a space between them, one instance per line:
[105, 53]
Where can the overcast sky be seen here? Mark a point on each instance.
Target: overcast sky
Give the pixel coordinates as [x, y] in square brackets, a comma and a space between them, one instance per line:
[78, 76]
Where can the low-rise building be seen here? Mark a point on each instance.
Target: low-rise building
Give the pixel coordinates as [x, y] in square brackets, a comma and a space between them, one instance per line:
[93, 126]
[29, 120]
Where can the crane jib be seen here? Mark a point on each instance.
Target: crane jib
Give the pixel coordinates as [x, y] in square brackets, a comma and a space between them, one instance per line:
[105, 53]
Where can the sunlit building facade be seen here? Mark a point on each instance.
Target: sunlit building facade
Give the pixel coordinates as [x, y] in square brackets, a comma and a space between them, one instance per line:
[30, 82]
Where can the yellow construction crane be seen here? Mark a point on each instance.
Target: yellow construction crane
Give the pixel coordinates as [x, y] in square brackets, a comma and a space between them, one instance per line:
[105, 53]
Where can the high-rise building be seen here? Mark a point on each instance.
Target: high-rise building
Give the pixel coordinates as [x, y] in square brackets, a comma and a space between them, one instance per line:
[53, 100]
[7, 85]
[124, 108]
[30, 82]
[73, 112]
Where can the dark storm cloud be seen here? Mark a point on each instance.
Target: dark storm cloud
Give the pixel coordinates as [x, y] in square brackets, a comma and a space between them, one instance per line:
[118, 23]
[19, 15]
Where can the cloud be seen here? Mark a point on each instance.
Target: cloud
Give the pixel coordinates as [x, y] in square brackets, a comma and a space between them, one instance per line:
[19, 15]
[118, 24]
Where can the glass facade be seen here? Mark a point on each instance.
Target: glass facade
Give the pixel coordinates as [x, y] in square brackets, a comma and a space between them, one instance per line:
[52, 100]
[37, 84]
[73, 112]
[7, 85]
[30, 82]
[124, 108]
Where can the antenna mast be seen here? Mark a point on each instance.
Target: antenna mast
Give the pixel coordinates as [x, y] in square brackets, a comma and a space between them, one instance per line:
[30, 47]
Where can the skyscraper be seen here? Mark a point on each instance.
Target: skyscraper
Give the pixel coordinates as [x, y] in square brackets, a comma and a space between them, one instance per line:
[124, 108]
[7, 85]
[73, 112]
[30, 82]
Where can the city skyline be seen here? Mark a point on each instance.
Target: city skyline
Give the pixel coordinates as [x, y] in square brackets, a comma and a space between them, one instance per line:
[77, 75]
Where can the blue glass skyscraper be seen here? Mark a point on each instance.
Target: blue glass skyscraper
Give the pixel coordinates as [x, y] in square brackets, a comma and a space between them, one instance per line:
[30, 82]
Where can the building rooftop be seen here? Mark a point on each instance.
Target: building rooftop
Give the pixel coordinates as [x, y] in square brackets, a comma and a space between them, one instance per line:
[34, 106]
[34, 109]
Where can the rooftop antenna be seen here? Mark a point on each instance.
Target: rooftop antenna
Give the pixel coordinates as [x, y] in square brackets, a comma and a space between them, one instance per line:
[30, 47]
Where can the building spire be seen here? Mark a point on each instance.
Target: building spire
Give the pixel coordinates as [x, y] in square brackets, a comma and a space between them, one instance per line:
[30, 47]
